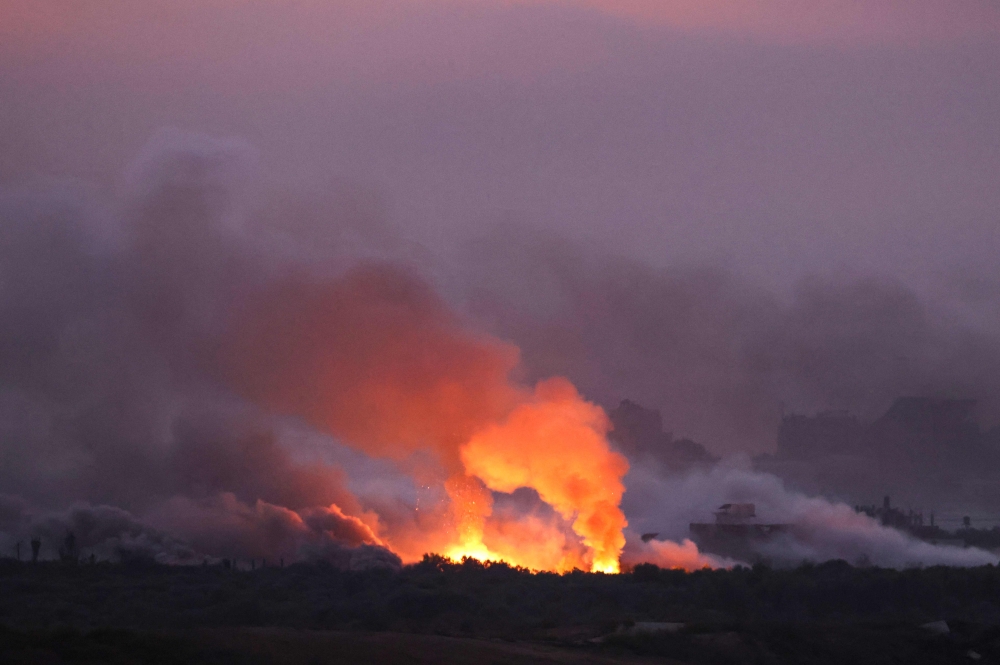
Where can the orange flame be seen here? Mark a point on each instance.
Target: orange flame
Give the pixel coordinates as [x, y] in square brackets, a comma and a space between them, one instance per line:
[471, 504]
[375, 358]
[556, 445]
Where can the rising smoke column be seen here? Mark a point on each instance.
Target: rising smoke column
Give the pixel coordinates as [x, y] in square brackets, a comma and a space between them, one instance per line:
[108, 408]
[117, 344]
[376, 359]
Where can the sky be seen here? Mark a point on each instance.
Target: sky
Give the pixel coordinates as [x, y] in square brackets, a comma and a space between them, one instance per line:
[776, 141]
[778, 137]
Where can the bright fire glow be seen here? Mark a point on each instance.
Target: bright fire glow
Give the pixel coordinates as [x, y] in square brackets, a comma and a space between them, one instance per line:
[379, 361]
[555, 444]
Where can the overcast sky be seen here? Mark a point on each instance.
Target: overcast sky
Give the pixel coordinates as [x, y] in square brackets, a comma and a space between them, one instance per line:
[777, 140]
[777, 137]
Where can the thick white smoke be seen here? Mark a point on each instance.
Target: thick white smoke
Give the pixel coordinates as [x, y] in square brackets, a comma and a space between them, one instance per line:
[820, 529]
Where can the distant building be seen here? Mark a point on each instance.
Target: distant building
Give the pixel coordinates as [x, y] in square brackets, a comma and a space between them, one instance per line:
[735, 513]
[812, 437]
[948, 418]
[917, 424]
[638, 432]
[913, 523]
[938, 432]
[926, 449]
[894, 517]
[734, 532]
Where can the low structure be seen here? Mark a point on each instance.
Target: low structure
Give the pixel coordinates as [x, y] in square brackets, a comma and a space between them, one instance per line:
[735, 532]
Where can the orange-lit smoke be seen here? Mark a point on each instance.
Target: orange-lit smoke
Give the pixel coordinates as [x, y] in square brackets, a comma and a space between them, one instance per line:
[555, 443]
[376, 359]
[682, 556]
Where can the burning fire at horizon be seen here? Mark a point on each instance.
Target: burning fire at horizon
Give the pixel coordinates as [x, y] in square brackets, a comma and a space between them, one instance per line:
[376, 359]
[458, 456]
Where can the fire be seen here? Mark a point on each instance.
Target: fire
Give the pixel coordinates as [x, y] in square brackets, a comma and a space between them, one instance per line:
[555, 444]
[538, 542]
[471, 504]
[379, 361]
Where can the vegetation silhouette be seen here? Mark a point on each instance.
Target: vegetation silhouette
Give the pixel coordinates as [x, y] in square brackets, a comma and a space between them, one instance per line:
[737, 615]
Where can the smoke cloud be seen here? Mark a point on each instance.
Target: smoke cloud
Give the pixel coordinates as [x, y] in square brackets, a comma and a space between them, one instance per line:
[376, 359]
[105, 532]
[162, 353]
[719, 356]
[109, 314]
[820, 529]
[773, 210]
[202, 345]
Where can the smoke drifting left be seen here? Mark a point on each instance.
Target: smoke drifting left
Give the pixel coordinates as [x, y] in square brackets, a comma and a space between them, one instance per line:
[109, 319]
[151, 358]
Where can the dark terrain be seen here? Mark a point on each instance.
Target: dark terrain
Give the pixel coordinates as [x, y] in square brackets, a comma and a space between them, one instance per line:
[440, 612]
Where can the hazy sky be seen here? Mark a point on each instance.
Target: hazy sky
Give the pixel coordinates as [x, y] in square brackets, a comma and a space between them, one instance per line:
[776, 137]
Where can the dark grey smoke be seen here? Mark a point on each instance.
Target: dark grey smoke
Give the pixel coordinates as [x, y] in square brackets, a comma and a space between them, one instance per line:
[111, 421]
[720, 357]
[106, 532]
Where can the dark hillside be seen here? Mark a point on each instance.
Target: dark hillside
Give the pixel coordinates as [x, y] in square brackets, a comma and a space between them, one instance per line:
[813, 614]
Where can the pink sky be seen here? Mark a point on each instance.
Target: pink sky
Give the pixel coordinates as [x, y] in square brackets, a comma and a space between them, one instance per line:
[780, 135]
[843, 21]
[30, 24]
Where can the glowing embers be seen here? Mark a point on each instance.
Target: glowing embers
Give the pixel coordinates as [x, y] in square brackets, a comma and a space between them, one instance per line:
[471, 504]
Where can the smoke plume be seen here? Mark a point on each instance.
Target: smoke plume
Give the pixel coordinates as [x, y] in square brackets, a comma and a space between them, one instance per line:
[719, 356]
[165, 354]
[159, 360]
[376, 359]
[117, 433]
[820, 529]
